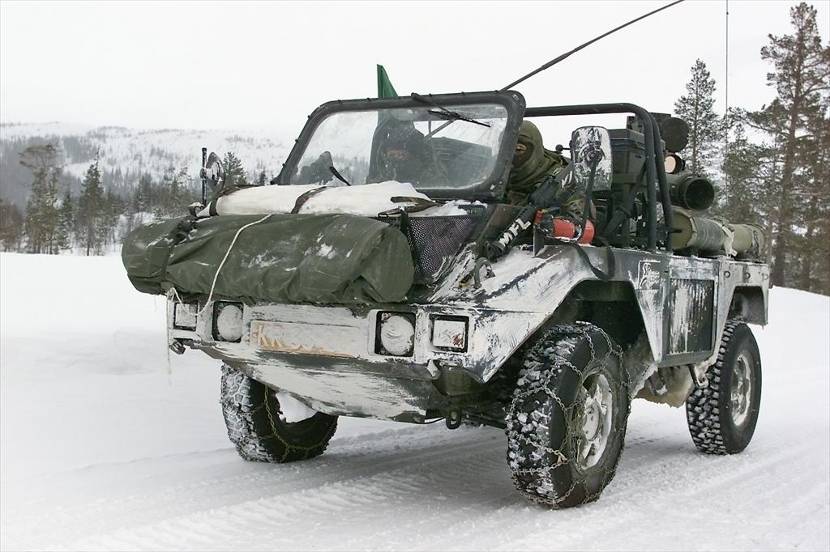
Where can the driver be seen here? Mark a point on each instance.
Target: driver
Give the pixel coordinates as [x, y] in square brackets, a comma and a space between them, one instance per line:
[405, 156]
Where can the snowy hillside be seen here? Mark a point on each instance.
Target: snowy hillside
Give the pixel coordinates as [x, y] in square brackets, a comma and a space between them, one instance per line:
[126, 153]
[153, 151]
[103, 449]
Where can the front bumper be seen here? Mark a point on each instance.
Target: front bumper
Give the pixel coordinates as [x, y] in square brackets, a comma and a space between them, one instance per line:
[327, 356]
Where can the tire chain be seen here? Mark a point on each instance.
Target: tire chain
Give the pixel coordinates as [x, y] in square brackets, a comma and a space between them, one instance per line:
[239, 408]
[529, 455]
[703, 405]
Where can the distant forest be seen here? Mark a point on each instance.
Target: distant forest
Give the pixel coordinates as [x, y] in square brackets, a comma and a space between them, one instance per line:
[771, 164]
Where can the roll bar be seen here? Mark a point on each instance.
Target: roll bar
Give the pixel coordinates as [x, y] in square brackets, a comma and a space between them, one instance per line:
[655, 169]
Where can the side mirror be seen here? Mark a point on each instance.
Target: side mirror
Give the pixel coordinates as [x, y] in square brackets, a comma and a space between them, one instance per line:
[214, 171]
[591, 156]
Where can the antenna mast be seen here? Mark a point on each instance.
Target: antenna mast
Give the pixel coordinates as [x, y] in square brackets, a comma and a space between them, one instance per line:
[564, 56]
[727, 124]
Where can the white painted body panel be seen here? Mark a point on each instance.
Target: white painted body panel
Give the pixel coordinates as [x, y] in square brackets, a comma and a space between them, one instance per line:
[325, 354]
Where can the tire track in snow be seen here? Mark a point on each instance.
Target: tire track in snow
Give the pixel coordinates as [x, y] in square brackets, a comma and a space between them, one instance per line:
[444, 488]
[401, 487]
[644, 473]
[266, 522]
[641, 494]
[398, 449]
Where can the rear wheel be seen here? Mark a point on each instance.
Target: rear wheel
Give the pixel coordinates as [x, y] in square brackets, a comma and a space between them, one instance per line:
[723, 415]
[567, 419]
[271, 426]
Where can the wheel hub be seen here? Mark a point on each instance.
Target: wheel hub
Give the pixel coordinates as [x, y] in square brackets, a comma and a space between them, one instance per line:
[594, 421]
[741, 389]
[591, 421]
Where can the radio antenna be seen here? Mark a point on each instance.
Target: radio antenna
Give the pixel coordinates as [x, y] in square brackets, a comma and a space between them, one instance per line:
[564, 56]
[727, 122]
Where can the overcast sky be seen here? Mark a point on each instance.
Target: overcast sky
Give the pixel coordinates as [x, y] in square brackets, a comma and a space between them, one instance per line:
[244, 65]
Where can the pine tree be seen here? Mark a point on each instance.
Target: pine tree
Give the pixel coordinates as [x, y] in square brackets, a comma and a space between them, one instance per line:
[11, 227]
[66, 223]
[91, 210]
[744, 167]
[801, 76]
[697, 109]
[261, 174]
[234, 171]
[814, 272]
[41, 208]
[144, 194]
[106, 229]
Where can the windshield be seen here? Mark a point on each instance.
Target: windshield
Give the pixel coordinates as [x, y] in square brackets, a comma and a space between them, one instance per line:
[429, 146]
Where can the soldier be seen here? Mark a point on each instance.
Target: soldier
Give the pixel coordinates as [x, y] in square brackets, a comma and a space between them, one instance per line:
[404, 155]
[532, 164]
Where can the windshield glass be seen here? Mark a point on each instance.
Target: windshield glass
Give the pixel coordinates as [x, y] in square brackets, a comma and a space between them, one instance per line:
[430, 147]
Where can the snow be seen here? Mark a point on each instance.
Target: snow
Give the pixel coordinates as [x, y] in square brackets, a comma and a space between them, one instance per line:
[367, 200]
[105, 448]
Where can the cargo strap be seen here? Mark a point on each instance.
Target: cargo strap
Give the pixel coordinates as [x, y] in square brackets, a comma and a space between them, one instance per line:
[225, 258]
[610, 261]
[304, 198]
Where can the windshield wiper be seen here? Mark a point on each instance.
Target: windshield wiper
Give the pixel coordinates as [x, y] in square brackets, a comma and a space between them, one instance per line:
[455, 116]
[444, 113]
[338, 176]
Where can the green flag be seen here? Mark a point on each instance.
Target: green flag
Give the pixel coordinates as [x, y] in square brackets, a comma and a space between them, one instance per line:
[385, 88]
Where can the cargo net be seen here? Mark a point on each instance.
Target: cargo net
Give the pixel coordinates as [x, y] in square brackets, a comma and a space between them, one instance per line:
[566, 421]
[435, 241]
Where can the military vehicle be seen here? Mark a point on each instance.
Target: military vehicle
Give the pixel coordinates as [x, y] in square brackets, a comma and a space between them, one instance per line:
[384, 274]
[435, 299]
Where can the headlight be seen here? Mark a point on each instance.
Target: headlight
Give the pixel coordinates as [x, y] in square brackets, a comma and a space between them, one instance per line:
[395, 333]
[227, 321]
[450, 332]
[184, 316]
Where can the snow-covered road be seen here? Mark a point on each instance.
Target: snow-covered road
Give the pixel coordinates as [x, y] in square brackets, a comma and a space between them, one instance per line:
[104, 448]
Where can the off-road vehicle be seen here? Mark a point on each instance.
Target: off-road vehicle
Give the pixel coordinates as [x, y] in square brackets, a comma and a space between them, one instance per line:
[342, 291]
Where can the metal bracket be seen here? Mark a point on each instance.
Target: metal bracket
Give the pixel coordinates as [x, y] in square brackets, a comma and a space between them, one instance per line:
[698, 372]
[482, 263]
[177, 347]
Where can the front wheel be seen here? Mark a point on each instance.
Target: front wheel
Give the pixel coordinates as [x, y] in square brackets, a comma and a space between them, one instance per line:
[271, 426]
[567, 419]
[722, 415]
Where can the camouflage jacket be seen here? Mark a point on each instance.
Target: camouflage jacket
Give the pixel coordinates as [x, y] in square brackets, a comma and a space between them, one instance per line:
[537, 165]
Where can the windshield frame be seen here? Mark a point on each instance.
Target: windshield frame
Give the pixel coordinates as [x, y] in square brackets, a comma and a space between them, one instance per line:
[491, 188]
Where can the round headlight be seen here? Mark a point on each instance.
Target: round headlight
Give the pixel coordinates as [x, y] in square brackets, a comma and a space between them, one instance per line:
[229, 322]
[397, 334]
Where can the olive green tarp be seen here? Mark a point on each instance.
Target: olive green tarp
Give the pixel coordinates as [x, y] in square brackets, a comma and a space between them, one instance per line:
[285, 258]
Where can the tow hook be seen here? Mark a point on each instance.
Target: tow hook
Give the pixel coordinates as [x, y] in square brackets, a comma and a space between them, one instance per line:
[454, 419]
[177, 347]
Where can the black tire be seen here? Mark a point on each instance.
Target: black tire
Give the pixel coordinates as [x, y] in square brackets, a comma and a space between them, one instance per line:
[252, 416]
[546, 423]
[709, 410]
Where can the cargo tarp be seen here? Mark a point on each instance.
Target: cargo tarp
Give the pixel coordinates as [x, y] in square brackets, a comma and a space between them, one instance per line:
[146, 251]
[285, 258]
